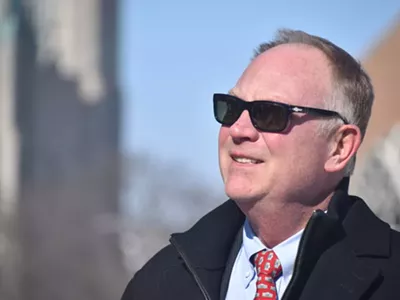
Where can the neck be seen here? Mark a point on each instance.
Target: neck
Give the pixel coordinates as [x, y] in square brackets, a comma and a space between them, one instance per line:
[274, 221]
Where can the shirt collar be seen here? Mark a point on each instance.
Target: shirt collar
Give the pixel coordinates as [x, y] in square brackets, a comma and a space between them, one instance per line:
[286, 250]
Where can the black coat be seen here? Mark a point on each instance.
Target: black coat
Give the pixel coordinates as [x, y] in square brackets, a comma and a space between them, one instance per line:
[346, 254]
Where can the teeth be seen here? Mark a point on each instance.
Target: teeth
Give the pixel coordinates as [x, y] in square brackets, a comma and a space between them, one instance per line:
[244, 160]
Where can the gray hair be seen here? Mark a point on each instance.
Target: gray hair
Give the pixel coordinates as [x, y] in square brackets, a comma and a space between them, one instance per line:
[352, 95]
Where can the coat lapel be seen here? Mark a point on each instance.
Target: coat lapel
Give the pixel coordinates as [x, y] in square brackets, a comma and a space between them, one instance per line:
[206, 247]
[230, 263]
[340, 275]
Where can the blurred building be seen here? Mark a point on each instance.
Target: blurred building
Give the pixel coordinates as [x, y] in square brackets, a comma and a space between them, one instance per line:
[59, 143]
[9, 157]
[377, 177]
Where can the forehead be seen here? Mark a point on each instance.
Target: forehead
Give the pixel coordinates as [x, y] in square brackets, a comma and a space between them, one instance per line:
[295, 74]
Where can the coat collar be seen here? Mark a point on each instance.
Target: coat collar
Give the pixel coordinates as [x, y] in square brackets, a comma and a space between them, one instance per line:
[338, 264]
[219, 228]
[334, 256]
[208, 243]
[366, 234]
[339, 242]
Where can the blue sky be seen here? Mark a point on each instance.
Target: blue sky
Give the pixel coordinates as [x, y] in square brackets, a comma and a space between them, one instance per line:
[175, 54]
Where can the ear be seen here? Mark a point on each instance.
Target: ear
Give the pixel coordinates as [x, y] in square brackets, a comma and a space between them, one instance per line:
[345, 144]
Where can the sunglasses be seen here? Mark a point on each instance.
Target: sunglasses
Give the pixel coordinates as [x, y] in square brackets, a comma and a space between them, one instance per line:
[267, 116]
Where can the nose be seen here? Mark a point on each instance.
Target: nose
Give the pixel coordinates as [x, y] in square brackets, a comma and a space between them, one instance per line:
[243, 129]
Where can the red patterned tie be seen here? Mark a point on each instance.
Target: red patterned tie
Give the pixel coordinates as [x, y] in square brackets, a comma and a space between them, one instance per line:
[268, 269]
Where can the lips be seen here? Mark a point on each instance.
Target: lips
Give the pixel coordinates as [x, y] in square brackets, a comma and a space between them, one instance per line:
[244, 159]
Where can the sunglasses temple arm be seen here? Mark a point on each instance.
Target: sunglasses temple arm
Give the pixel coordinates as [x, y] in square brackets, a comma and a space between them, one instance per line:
[318, 112]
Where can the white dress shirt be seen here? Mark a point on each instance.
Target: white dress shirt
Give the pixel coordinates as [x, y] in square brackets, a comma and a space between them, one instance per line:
[242, 283]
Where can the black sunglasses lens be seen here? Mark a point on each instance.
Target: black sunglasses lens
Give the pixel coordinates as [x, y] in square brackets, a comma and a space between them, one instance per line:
[269, 116]
[266, 116]
[226, 111]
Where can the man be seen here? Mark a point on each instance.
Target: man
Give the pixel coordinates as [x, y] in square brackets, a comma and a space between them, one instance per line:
[290, 130]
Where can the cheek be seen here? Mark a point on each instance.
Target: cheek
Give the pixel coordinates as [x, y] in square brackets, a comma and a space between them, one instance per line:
[286, 149]
[307, 151]
[223, 151]
[276, 143]
[223, 136]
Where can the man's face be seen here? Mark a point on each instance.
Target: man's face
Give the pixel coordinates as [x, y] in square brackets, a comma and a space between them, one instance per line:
[255, 164]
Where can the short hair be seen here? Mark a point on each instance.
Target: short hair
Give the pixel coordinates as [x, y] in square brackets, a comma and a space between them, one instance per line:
[353, 93]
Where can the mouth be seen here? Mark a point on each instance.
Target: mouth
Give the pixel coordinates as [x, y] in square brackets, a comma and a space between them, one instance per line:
[246, 160]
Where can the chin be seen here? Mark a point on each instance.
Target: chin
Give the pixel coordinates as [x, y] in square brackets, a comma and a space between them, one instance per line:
[241, 193]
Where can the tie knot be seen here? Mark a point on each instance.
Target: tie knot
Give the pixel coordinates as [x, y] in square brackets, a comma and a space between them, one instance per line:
[267, 263]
